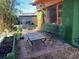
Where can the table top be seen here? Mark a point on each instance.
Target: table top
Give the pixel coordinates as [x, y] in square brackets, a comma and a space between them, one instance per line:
[35, 35]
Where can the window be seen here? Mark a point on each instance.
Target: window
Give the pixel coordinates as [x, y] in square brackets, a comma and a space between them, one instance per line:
[52, 14]
[59, 12]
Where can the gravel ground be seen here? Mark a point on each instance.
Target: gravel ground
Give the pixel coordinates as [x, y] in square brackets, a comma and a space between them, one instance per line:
[55, 49]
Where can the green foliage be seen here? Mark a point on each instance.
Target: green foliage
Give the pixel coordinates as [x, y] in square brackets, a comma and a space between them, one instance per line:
[7, 16]
[48, 27]
[61, 31]
[52, 28]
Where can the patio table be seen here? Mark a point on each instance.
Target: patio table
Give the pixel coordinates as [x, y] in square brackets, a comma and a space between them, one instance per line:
[33, 37]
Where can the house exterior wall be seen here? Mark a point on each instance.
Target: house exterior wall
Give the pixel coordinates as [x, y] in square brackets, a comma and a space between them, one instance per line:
[50, 8]
[39, 20]
[34, 20]
[52, 13]
[27, 20]
[70, 21]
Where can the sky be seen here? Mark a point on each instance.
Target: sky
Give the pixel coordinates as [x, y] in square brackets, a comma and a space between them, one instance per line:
[25, 6]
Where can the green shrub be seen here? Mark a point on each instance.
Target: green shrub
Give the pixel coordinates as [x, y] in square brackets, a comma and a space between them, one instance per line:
[52, 28]
[61, 32]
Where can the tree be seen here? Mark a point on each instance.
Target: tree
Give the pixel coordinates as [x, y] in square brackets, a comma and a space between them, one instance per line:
[7, 16]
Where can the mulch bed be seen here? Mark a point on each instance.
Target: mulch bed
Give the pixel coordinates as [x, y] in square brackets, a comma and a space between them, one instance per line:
[60, 50]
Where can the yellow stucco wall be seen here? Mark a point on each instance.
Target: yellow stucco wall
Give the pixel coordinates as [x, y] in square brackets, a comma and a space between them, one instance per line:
[39, 20]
